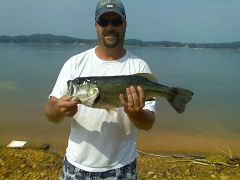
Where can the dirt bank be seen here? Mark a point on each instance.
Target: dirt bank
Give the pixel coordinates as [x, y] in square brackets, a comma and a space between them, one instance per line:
[32, 163]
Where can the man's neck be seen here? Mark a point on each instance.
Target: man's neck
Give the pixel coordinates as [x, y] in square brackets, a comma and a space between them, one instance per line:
[110, 54]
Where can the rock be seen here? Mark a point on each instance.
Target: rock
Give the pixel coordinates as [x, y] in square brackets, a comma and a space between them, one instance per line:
[213, 176]
[22, 166]
[187, 172]
[224, 177]
[44, 147]
[155, 177]
[150, 173]
[1, 163]
[42, 174]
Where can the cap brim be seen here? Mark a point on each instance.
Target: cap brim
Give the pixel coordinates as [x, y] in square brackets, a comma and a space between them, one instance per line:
[108, 11]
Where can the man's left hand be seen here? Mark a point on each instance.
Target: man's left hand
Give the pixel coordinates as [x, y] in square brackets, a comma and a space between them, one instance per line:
[135, 99]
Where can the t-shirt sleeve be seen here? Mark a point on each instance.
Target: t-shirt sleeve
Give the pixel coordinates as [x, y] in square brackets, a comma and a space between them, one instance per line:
[60, 89]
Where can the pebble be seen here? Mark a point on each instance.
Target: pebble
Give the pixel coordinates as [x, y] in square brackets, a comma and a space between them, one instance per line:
[42, 174]
[224, 177]
[213, 176]
[1, 162]
[150, 173]
[155, 177]
[187, 172]
[22, 166]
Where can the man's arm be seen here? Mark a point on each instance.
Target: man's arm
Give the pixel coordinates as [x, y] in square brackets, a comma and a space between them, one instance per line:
[56, 109]
[141, 118]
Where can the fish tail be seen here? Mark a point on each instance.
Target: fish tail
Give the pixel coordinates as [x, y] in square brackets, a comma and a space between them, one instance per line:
[178, 98]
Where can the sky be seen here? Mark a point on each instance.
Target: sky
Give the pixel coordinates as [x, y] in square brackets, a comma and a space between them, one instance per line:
[200, 21]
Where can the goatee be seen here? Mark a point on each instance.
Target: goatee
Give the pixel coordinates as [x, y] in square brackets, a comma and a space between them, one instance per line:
[111, 39]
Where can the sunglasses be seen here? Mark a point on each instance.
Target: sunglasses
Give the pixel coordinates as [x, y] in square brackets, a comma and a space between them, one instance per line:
[105, 22]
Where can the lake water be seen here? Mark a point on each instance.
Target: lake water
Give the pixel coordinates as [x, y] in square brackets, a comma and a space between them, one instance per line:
[211, 121]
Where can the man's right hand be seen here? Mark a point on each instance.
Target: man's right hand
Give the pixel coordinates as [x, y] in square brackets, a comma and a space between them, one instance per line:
[67, 107]
[56, 109]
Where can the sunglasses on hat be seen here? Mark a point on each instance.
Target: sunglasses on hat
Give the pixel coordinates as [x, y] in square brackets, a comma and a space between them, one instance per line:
[105, 22]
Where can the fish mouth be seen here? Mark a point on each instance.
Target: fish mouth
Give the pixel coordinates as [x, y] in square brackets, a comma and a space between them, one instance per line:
[97, 99]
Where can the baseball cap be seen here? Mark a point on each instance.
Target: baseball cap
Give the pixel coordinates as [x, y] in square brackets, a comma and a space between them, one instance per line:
[105, 6]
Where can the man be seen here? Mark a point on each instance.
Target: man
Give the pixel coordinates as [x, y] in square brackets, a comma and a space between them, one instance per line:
[102, 145]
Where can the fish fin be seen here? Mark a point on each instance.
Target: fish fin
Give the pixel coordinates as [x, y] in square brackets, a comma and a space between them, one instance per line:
[148, 76]
[179, 98]
[70, 89]
[112, 111]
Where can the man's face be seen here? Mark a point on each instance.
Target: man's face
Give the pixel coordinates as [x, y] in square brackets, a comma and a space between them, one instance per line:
[110, 30]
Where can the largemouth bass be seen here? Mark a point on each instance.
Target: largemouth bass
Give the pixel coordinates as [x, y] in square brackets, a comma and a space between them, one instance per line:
[103, 91]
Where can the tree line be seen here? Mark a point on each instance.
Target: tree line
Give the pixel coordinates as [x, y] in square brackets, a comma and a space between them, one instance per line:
[49, 38]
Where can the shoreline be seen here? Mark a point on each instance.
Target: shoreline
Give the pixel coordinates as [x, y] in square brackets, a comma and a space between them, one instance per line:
[60, 39]
[37, 163]
[127, 45]
[149, 141]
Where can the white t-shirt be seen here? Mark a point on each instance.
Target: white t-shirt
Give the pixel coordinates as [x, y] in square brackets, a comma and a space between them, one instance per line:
[99, 140]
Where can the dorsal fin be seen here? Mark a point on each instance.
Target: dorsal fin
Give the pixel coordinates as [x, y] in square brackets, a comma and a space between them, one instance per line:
[148, 76]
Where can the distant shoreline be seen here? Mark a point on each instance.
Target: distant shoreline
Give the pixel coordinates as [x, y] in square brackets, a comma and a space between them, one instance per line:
[54, 39]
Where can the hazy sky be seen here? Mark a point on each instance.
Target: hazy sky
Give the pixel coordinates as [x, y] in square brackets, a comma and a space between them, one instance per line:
[173, 20]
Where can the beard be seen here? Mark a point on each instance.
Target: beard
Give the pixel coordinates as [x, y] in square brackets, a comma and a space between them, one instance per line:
[111, 39]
